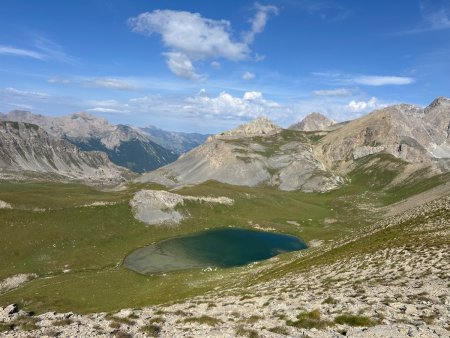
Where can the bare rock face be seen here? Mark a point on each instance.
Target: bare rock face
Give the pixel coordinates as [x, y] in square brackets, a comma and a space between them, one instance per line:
[410, 133]
[124, 145]
[259, 153]
[26, 147]
[261, 126]
[313, 122]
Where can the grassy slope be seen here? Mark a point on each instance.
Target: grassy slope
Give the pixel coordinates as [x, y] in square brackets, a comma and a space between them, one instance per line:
[92, 241]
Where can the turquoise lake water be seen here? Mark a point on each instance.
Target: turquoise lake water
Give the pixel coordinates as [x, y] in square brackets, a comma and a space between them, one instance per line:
[224, 247]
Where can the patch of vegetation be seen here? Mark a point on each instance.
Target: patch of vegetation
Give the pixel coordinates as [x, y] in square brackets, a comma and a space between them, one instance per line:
[330, 300]
[309, 320]
[5, 327]
[25, 323]
[157, 320]
[62, 322]
[151, 330]
[211, 321]
[120, 320]
[253, 319]
[122, 334]
[244, 332]
[429, 319]
[354, 320]
[279, 330]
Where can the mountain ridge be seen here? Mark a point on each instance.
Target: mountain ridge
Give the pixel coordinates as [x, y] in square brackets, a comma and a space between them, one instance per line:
[262, 153]
[124, 145]
[26, 147]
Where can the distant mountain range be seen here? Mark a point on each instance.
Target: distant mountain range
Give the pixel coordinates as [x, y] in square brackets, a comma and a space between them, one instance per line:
[261, 153]
[316, 154]
[129, 147]
[177, 142]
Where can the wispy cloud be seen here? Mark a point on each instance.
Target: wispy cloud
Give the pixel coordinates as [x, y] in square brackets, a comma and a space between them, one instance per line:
[324, 9]
[53, 51]
[435, 15]
[369, 80]
[248, 76]
[101, 82]
[43, 49]
[190, 37]
[337, 78]
[9, 50]
[333, 92]
[259, 21]
[13, 92]
[111, 83]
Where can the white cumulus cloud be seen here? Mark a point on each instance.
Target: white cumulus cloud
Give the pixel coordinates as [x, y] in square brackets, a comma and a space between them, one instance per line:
[181, 65]
[361, 106]
[191, 37]
[225, 105]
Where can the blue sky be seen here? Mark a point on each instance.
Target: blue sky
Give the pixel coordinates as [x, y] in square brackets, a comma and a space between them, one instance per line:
[207, 66]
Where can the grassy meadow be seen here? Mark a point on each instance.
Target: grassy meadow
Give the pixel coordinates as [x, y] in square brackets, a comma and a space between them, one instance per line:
[77, 250]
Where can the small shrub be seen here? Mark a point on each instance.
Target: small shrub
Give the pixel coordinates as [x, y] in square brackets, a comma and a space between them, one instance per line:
[4, 327]
[330, 300]
[114, 325]
[243, 332]
[279, 330]
[429, 319]
[157, 320]
[181, 313]
[254, 319]
[203, 320]
[121, 334]
[309, 320]
[62, 322]
[26, 324]
[354, 320]
[151, 330]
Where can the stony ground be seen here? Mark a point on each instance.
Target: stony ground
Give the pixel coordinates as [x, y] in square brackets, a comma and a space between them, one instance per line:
[392, 291]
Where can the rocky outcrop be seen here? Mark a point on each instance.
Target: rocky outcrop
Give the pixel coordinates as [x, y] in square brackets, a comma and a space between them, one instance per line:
[15, 281]
[261, 126]
[5, 205]
[313, 122]
[158, 206]
[28, 148]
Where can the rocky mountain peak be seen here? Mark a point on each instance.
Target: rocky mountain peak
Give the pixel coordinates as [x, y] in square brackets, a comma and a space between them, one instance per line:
[258, 127]
[440, 101]
[85, 116]
[19, 114]
[313, 122]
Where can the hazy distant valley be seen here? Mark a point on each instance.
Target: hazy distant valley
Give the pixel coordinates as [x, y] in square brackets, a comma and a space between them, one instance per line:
[369, 198]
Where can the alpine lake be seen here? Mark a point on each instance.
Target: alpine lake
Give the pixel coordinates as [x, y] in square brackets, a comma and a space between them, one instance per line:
[217, 248]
